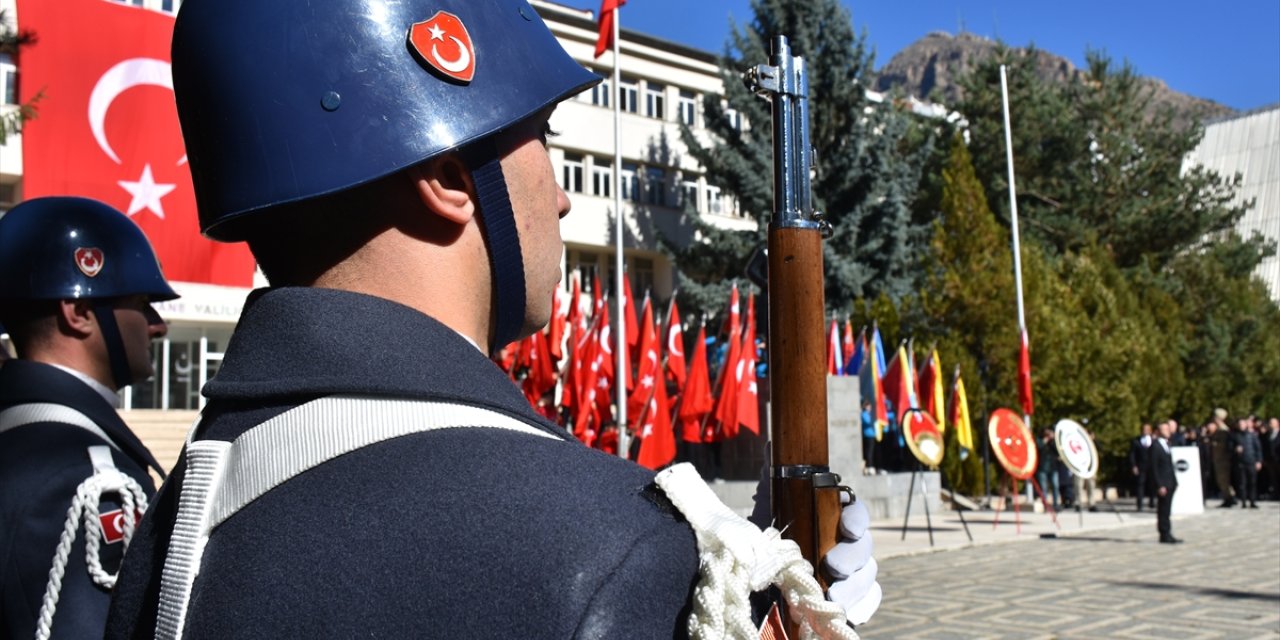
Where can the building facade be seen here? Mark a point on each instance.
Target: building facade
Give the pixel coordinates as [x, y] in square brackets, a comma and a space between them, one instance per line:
[1249, 144]
[663, 84]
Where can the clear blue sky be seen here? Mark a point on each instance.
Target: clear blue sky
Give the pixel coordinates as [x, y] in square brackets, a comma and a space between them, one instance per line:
[1226, 50]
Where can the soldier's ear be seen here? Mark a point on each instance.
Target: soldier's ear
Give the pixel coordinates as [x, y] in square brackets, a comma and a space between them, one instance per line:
[444, 185]
[75, 318]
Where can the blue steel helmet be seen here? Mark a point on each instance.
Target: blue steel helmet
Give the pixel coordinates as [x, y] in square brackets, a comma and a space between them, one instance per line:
[284, 101]
[60, 248]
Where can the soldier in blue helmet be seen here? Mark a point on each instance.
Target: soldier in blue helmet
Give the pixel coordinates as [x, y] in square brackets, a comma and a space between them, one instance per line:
[362, 469]
[76, 281]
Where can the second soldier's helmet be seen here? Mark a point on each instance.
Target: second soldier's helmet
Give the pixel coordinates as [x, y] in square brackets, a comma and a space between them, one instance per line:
[60, 248]
[285, 101]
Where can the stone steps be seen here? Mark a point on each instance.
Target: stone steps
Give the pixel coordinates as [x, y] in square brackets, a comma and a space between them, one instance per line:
[163, 432]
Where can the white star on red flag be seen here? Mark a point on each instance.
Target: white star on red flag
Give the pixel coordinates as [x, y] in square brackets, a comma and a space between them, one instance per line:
[146, 193]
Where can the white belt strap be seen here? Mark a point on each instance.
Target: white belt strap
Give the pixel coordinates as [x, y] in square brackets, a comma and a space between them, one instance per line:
[223, 477]
[22, 415]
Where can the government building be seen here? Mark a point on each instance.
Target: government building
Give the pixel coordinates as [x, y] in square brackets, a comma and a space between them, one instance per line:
[663, 84]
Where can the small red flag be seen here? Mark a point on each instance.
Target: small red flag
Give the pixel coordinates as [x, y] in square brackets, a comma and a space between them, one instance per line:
[847, 347]
[675, 347]
[748, 394]
[605, 40]
[633, 330]
[898, 382]
[1024, 377]
[559, 318]
[835, 360]
[657, 438]
[726, 412]
[649, 367]
[696, 401]
[932, 398]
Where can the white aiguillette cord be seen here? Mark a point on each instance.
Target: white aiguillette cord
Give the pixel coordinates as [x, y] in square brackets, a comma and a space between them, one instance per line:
[736, 558]
[223, 477]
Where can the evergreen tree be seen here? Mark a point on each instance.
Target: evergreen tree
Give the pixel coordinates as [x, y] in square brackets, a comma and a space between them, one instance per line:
[1092, 167]
[10, 40]
[866, 176]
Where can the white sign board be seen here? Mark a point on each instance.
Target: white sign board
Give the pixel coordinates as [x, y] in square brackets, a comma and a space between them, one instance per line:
[1189, 498]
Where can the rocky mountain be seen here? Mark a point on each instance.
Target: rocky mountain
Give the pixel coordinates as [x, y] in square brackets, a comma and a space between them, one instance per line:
[930, 67]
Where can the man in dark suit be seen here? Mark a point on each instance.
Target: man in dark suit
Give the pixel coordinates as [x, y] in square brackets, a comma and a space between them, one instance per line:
[1165, 482]
[1140, 460]
[1247, 462]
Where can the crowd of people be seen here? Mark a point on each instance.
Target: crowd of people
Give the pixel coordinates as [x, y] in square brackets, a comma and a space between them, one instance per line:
[1239, 459]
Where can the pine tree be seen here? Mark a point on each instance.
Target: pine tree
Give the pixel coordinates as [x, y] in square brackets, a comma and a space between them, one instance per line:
[866, 175]
[1092, 167]
[10, 40]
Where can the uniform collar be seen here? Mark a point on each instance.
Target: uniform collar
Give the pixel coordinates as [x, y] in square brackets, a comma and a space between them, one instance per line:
[107, 394]
[24, 381]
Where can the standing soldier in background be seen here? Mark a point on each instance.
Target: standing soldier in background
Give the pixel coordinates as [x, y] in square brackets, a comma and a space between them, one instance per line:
[76, 282]
[1140, 461]
[1223, 448]
[1246, 459]
[362, 469]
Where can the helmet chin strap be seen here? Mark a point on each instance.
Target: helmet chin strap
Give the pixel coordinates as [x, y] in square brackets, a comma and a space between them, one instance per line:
[498, 226]
[116, 355]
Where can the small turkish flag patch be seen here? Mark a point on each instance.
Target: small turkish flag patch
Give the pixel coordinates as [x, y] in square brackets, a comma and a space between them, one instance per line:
[444, 44]
[89, 260]
[113, 525]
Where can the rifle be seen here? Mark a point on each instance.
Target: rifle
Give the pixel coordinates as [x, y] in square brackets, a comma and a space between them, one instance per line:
[805, 493]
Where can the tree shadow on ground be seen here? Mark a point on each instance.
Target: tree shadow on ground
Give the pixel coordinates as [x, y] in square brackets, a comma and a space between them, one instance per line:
[1232, 594]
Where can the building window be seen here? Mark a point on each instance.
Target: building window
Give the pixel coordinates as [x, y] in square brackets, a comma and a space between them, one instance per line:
[571, 173]
[628, 95]
[735, 119]
[585, 263]
[642, 275]
[689, 194]
[655, 102]
[600, 93]
[688, 108]
[169, 6]
[8, 80]
[602, 181]
[630, 186]
[713, 200]
[656, 186]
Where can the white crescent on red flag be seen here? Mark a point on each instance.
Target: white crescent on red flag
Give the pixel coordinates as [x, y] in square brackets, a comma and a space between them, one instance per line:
[676, 365]
[108, 128]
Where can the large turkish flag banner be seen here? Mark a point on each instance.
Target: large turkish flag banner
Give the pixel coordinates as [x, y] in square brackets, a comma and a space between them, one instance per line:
[107, 128]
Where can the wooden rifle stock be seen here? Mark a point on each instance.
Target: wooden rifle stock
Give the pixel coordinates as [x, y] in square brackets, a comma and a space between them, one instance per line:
[805, 494]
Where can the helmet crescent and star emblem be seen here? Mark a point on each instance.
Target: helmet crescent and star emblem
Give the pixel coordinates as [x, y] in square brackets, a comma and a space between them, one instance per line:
[443, 44]
[89, 260]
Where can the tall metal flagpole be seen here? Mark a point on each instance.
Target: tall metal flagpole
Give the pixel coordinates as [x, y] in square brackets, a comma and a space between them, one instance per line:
[1013, 213]
[619, 376]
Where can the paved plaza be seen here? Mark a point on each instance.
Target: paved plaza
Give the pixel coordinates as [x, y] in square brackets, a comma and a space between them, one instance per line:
[1100, 576]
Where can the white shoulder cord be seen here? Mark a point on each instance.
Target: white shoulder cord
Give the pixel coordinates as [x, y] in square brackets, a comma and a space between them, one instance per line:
[737, 558]
[105, 479]
[223, 477]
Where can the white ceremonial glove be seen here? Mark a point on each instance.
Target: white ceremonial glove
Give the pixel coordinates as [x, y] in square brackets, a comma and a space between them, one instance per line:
[850, 562]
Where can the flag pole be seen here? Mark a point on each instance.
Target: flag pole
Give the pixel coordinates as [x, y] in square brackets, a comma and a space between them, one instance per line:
[624, 441]
[1013, 213]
